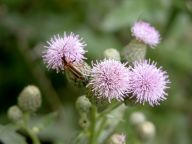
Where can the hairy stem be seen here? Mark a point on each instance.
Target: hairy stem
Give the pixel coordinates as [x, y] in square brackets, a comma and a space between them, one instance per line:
[33, 136]
[25, 127]
[93, 125]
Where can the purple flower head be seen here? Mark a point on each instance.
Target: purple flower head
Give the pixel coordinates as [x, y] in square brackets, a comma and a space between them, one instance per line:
[146, 33]
[148, 83]
[110, 80]
[69, 47]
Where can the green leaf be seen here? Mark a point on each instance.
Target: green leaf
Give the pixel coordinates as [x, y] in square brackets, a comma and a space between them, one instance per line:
[129, 11]
[57, 126]
[126, 13]
[97, 43]
[42, 122]
[8, 135]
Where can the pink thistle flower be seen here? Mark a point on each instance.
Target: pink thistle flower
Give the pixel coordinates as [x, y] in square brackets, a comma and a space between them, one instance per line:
[146, 33]
[70, 47]
[110, 80]
[148, 83]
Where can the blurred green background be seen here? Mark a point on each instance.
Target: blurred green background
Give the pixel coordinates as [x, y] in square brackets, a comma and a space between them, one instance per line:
[25, 26]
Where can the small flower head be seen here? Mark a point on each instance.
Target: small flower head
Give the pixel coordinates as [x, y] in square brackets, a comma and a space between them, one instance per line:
[148, 83]
[146, 33]
[110, 80]
[69, 47]
[83, 104]
[137, 118]
[118, 139]
[112, 53]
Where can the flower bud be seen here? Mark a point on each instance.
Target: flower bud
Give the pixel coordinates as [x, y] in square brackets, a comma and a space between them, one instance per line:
[146, 131]
[83, 104]
[118, 139]
[112, 53]
[29, 99]
[134, 51]
[84, 121]
[14, 113]
[137, 118]
[35, 129]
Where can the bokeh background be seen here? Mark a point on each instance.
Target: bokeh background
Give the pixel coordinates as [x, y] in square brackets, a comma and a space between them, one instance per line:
[25, 26]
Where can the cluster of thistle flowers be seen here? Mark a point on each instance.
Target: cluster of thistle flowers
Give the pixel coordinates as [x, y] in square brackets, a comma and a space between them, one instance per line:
[110, 79]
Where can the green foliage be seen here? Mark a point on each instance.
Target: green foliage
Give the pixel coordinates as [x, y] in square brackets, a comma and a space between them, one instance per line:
[129, 11]
[8, 135]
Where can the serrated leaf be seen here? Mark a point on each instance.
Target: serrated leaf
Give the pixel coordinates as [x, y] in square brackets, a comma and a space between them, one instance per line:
[8, 135]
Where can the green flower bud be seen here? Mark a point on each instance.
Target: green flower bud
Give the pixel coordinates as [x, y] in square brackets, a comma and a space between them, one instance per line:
[29, 99]
[134, 51]
[84, 121]
[83, 104]
[137, 118]
[112, 53]
[14, 113]
[35, 129]
[146, 131]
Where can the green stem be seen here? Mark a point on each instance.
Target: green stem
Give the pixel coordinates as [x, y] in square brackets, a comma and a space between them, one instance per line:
[26, 119]
[93, 124]
[32, 135]
[108, 110]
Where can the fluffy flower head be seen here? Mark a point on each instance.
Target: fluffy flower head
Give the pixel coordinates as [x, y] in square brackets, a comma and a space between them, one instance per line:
[148, 83]
[110, 79]
[69, 47]
[146, 33]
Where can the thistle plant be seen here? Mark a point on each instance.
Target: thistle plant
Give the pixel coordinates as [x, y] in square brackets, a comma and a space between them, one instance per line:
[143, 35]
[109, 83]
[146, 33]
[110, 80]
[148, 83]
[59, 48]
